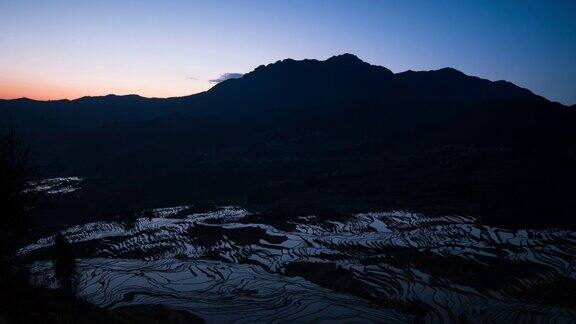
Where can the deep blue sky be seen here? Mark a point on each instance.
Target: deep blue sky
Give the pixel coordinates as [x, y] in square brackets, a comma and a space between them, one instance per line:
[55, 49]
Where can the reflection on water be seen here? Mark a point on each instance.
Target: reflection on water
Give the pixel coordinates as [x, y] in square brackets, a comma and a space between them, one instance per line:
[231, 265]
[54, 185]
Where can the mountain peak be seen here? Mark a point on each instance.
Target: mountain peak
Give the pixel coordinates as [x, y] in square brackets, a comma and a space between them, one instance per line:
[110, 96]
[450, 71]
[345, 58]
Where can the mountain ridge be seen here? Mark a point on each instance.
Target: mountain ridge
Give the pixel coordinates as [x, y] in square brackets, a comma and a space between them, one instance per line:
[337, 134]
[342, 60]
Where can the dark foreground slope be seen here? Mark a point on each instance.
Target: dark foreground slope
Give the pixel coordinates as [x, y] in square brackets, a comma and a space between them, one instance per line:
[41, 305]
[335, 134]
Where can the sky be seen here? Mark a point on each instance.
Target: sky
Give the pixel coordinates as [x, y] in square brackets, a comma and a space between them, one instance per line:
[68, 49]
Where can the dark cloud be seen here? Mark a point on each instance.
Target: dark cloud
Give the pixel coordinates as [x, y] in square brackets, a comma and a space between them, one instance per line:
[227, 76]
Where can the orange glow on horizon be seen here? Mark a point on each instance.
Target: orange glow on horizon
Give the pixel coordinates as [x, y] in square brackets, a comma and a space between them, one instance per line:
[14, 89]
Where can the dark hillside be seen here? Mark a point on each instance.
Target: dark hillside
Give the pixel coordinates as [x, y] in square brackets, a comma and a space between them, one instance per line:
[336, 134]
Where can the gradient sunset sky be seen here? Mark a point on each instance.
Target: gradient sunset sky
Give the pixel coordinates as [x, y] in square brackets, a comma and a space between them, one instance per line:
[69, 49]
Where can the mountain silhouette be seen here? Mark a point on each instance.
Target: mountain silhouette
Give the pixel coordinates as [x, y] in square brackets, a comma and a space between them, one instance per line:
[339, 134]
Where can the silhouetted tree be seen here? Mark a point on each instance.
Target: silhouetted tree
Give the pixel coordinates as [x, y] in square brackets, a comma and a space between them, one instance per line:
[64, 263]
[15, 171]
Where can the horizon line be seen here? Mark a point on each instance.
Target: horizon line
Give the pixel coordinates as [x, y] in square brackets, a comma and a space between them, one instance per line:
[346, 54]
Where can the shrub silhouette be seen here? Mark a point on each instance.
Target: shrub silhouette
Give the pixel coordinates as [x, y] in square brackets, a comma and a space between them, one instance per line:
[64, 264]
[129, 219]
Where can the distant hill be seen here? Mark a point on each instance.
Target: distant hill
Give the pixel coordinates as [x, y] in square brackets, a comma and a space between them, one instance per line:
[335, 134]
